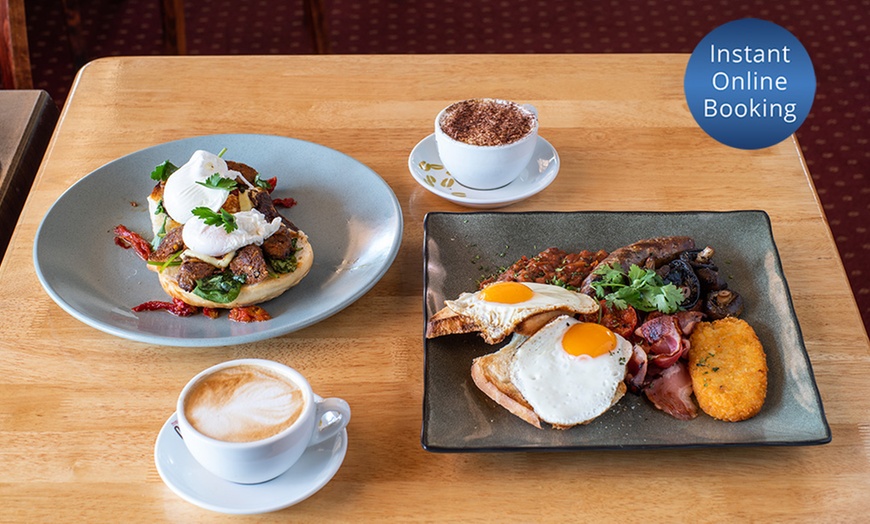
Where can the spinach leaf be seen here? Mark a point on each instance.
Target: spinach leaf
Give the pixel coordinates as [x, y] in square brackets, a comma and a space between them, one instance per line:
[222, 288]
[282, 266]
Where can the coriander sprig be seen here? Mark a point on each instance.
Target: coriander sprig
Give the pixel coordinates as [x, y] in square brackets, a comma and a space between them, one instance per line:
[216, 181]
[223, 218]
[163, 170]
[640, 288]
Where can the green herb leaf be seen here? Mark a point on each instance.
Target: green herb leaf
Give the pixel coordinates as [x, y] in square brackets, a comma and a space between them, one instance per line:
[262, 184]
[218, 182]
[158, 238]
[640, 288]
[222, 288]
[669, 298]
[173, 260]
[162, 171]
[224, 219]
[282, 266]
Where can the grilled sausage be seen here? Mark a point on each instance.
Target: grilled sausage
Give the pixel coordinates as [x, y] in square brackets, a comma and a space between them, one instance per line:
[657, 251]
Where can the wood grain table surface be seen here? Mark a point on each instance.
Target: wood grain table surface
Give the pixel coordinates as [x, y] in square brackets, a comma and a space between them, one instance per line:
[80, 409]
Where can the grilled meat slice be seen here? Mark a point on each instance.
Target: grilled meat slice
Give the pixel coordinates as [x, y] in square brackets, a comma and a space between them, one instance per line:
[249, 261]
[247, 171]
[171, 244]
[281, 245]
[192, 270]
[262, 201]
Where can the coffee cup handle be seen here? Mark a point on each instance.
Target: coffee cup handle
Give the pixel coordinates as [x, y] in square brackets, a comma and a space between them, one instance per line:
[332, 416]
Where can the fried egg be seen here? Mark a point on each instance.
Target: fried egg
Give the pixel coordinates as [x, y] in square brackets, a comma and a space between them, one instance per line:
[570, 371]
[499, 307]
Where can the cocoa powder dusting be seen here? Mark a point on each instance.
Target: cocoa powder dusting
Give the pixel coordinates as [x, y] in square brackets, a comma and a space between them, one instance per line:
[482, 122]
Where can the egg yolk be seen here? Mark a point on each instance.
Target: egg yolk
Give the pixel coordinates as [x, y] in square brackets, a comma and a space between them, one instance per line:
[506, 293]
[587, 338]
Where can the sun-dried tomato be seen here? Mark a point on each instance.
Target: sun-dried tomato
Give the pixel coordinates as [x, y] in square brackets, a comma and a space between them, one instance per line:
[284, 202]
[272, 183]
[127, 239]
[176, 307]
[249, 314]
[210, 312]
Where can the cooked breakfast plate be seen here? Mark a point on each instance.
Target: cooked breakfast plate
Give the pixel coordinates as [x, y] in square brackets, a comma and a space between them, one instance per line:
[461, 248]
[351, 217]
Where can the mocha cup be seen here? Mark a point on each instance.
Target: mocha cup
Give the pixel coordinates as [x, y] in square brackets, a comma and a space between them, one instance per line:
[500, 157]
[249, 420]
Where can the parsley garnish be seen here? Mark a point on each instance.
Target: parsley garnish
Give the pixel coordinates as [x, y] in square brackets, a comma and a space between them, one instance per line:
[218, 182]
[262, 184]
[211, 218]
[640, 288]
[162, 171]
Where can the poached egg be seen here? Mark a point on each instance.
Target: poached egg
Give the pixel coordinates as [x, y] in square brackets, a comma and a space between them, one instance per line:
[214, 241]
[182, 193]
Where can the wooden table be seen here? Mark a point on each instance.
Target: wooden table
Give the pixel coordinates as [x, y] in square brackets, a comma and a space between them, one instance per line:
[81, 409]
[27, 120]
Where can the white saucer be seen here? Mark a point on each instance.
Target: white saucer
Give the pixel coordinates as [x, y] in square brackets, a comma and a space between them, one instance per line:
[193, 483]
[425, 165]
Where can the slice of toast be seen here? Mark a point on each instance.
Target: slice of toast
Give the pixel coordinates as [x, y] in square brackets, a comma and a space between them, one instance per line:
[491, 373]
[448, 322]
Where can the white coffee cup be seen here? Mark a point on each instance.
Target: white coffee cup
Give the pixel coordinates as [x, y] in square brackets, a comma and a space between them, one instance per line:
[486, 166]
[224, 437]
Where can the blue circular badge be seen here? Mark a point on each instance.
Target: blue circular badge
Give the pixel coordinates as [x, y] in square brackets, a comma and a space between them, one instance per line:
[750, 84]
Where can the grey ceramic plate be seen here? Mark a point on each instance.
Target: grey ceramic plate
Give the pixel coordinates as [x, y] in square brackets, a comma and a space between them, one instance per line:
[351, 216]
[461, 247]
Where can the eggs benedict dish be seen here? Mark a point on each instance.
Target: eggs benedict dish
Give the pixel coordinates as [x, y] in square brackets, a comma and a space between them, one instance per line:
[219, 241]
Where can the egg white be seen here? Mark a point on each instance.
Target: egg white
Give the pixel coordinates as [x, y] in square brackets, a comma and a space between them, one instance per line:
[214, 241]
[182, 193]
[498, 320]
[564, 389]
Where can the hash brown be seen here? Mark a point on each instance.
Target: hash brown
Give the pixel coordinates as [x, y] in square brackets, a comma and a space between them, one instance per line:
[728, 368]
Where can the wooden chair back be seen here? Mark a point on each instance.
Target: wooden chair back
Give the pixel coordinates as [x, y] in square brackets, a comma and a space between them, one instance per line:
[14, 52]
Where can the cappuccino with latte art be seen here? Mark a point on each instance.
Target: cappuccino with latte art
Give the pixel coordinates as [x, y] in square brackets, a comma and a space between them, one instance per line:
[249, 420]
[243, 404]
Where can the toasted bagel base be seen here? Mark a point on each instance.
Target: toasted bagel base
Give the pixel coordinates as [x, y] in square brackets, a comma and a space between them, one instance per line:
[250, 294]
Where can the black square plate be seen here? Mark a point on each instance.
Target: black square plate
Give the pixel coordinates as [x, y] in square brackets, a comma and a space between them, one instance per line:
[460, 248]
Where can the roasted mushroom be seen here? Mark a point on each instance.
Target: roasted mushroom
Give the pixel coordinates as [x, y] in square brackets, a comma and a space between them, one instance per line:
[708, 274]
[680, 274]
[723, 303]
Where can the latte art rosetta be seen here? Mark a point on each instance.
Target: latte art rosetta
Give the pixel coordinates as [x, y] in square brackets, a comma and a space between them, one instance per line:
[243, 404]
